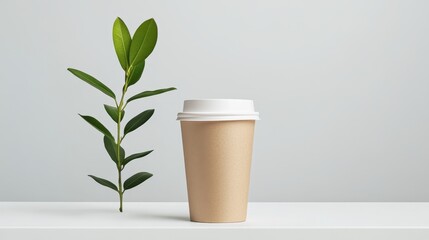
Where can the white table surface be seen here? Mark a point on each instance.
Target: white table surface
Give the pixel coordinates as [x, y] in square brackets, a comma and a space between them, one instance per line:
[44, 220]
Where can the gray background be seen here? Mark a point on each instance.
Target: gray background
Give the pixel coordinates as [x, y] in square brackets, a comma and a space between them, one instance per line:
[342, 88]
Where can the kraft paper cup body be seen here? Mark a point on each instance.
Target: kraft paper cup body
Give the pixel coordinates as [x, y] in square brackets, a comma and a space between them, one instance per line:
[217, 145]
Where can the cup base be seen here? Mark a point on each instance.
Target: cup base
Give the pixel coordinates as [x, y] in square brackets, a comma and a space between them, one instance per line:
[218, 221]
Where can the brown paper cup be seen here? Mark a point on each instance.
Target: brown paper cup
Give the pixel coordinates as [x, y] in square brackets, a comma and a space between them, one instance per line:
[217, 160]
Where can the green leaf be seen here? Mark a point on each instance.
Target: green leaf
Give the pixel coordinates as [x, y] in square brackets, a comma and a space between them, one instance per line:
[136, 179]
[135, 156]
[95, 123]
[138, 120]
[150, 93]
[121, 42]
[93, 82]
[113, 112]
[104, 182]
[111, 149]
[136, 74]
[143, 42]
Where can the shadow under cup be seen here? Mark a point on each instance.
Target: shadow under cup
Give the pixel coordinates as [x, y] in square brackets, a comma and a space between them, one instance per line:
[218, 156]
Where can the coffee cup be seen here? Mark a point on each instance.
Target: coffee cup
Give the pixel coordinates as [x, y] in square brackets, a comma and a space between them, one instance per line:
[217, 136]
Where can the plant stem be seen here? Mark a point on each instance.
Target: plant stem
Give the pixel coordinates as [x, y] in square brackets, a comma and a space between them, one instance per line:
[118, 146]
[118, 149]
[121, 193]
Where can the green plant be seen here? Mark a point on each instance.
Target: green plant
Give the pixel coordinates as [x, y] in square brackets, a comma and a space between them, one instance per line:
[132, 53]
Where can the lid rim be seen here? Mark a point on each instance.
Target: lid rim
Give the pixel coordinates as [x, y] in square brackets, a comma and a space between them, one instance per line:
[218, 110]
[218, 113]
[218, 119]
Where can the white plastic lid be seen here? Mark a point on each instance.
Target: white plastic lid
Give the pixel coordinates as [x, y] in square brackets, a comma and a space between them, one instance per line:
[218, 110]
